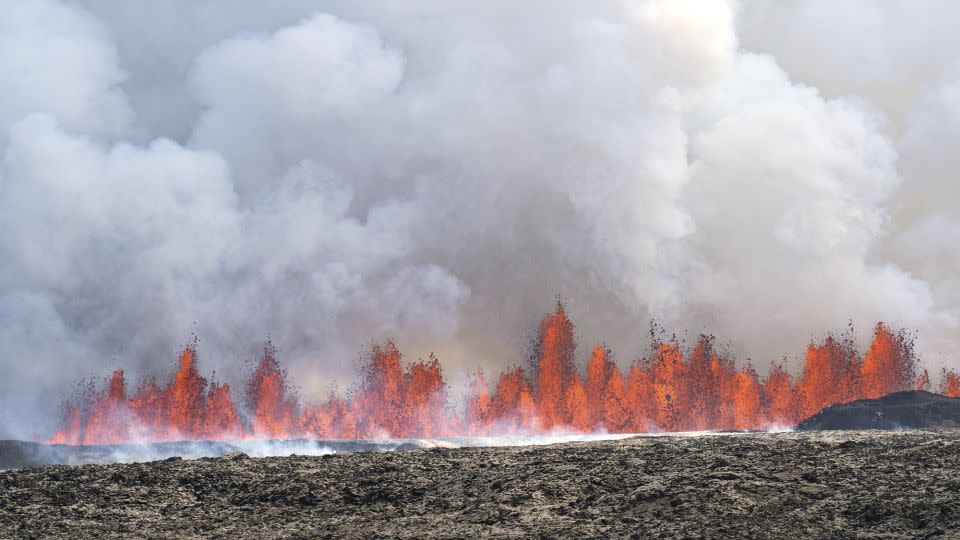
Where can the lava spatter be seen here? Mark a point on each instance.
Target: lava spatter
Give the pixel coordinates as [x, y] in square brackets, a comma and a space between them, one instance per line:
[670, 390]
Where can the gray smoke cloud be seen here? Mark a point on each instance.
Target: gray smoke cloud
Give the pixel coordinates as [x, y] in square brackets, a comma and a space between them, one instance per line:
[330, 173]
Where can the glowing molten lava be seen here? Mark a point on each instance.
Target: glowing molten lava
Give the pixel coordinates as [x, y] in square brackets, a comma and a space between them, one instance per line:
[666, 391]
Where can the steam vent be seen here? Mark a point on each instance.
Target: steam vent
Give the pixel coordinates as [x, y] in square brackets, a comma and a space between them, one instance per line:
[479, 269]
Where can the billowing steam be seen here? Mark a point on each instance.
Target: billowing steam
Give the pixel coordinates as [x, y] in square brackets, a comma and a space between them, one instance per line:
[331, 173]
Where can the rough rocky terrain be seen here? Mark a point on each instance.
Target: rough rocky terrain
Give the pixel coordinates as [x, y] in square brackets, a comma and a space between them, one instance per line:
[915, 409]
[871, 484]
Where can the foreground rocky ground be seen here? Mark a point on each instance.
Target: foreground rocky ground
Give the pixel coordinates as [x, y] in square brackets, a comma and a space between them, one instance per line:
[789, 485]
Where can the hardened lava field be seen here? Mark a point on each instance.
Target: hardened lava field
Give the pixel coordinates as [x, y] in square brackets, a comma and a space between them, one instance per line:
[786, 485]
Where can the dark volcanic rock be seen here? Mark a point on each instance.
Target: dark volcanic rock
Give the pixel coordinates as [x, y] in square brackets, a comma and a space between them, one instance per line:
[840, 484]
[19, 454]
[901, 410]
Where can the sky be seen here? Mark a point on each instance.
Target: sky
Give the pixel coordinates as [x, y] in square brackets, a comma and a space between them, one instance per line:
[330, 174]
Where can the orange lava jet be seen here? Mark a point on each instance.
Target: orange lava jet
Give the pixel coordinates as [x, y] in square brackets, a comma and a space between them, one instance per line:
[668, 391]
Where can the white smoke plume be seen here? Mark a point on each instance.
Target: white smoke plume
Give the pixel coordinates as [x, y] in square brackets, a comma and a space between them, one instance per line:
[331, 172]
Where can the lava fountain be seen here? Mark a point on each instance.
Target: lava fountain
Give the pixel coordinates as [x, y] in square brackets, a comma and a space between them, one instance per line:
[669, 390]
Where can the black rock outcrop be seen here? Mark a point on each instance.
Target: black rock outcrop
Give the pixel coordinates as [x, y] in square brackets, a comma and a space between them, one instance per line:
[915, 409]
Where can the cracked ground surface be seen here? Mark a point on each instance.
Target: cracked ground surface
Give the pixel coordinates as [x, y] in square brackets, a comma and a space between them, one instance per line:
[872, 484]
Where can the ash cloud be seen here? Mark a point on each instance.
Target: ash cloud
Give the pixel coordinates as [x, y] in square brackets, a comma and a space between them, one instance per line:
[332, 173]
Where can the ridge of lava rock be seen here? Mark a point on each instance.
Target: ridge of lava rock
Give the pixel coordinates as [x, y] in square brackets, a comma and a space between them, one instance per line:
[912, 409]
